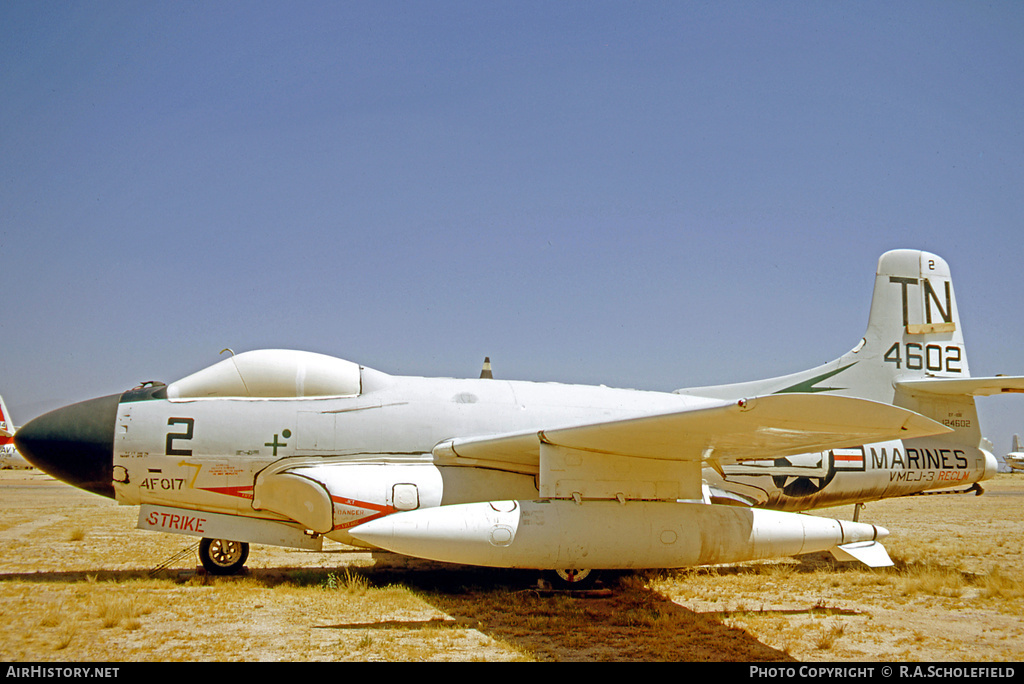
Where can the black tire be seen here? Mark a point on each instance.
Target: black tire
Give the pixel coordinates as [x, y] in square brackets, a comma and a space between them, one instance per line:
[572, 579]
[223, 556]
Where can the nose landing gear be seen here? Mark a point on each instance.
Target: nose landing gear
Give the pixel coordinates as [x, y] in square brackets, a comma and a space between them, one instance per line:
[223, 556]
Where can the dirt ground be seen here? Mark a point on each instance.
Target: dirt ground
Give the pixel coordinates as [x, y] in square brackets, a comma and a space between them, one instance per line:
[79, 583]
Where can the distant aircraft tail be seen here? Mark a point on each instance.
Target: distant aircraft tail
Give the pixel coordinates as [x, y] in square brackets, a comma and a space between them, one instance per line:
[9, 456]
[1016, 444]
[912, 354]
[6, 424]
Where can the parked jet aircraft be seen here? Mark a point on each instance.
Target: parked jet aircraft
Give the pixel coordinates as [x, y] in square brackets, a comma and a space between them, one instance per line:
[288, 447]
[9, 456]
[1015, 459]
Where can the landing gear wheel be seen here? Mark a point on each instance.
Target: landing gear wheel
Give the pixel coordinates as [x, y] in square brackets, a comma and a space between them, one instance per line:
[573, 578]
[223, 556]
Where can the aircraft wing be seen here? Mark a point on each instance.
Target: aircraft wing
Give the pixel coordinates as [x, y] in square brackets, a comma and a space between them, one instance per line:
[974, 387]
[717, 433]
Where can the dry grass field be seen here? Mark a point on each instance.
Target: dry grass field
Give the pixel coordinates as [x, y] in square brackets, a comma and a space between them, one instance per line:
[78, 582]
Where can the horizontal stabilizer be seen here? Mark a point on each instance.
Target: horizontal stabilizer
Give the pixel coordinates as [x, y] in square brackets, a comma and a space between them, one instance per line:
[964, 387]
[871, 554]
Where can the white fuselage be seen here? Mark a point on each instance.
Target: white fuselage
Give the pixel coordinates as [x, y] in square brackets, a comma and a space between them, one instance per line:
[211, 454]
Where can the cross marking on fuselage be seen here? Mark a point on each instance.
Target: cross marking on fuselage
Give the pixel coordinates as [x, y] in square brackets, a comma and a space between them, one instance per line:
[276, 444]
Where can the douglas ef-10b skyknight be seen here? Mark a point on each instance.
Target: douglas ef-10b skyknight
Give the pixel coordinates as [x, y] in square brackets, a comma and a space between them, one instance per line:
[288, 448]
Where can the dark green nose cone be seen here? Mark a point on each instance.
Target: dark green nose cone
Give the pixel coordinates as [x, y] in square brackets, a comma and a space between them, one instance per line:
[74, 444]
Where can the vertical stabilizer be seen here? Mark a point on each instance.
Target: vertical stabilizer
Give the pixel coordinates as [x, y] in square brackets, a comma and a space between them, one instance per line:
[913, 332]
[914, 318]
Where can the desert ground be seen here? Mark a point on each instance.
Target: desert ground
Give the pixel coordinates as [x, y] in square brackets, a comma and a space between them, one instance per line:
[78, 582]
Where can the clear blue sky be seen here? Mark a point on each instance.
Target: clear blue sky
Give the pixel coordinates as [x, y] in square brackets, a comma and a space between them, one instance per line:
[643, 194]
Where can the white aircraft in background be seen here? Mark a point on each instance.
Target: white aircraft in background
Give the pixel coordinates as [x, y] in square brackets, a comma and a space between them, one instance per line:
[1015, 459]
[288, 448]
[9, 456]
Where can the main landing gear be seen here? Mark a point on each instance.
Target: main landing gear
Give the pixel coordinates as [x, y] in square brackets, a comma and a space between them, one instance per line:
[227, 557]
[223, 556]
[572, 579]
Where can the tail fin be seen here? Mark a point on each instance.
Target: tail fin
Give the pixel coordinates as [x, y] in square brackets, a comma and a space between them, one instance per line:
[1016, 444]
[912, 354]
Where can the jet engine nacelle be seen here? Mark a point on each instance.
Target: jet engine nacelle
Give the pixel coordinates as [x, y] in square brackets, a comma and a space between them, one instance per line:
[609, 534]
[328, 497]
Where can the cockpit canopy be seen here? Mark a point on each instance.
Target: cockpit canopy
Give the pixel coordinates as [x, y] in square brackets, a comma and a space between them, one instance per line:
[271, 373]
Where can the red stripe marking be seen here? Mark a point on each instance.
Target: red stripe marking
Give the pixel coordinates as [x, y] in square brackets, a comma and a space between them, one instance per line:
[244, 492]
[381, 509]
